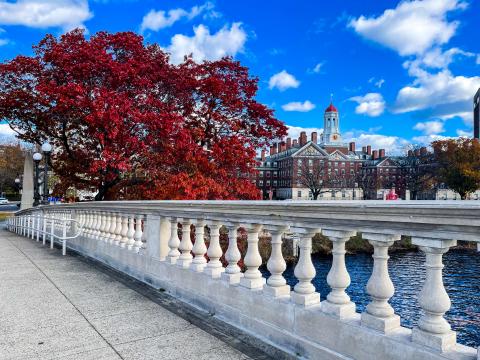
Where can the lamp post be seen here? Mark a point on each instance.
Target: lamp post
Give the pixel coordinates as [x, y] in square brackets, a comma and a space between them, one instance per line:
[37, 157]
[46, 149]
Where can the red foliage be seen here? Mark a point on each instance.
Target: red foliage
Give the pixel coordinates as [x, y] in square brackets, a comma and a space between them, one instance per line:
[125, 121]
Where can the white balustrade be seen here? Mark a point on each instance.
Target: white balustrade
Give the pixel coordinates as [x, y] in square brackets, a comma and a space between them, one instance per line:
[293, 319]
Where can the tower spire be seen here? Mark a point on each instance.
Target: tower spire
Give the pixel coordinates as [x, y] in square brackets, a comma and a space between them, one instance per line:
[331, 98]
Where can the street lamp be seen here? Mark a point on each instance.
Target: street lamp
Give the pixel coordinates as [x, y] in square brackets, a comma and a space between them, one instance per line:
[46, 149]
[37, 157]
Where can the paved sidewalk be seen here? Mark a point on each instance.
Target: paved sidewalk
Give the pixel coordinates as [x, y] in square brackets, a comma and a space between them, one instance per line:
[61, 307]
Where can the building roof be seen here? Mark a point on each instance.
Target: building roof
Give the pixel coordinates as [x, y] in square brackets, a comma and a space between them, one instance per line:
[331, 108]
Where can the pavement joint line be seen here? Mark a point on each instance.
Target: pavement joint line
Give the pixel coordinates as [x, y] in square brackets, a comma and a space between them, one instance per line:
[66, 297]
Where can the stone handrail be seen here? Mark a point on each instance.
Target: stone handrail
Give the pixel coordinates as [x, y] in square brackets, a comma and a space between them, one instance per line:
[142, 239]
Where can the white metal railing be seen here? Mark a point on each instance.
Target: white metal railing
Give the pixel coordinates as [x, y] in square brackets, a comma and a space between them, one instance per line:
[152, 240]
[37, 225]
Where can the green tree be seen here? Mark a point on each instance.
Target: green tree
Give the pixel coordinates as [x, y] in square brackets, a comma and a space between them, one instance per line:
[458, 164]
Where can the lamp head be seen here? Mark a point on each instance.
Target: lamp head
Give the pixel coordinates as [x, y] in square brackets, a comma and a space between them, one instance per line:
[37, 157]
[46, 147]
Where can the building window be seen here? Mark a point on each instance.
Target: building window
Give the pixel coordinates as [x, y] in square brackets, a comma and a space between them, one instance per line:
[343, 164]
[268, 182]
[275, 183]
[310, 162]
[343, 171]
[351, 172]
[299, 194]
[260, 182]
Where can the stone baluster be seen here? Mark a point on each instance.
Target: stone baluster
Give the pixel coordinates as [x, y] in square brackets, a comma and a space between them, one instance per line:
[138, 235]
[111, 230]
[252, 278]
[304, 292]
[130, 232]
[379, 314]
[118, 229]
[174, 242]
[144, 237]
[338, 302]
[232, 272]
[199, 248]
[106, 230]
[93, 232]
[98, 228]
[433, 330]
[124, 232]
[103, 227]
[214, 267]
[88, 223]
[186, 245]
[276, 283]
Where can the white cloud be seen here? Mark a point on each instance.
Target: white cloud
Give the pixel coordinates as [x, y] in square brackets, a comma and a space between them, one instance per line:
[156, 20]
[437, 59]
[318, 67]
[205, 46]
[294, 131]
[428, 139]
[4, 42]
[66, 14]
[478, 59]
[282, 81]
[440, 90]
[378, 83]
[393, 145]
[430, 127]
[464, 133]
[6, 133]
[412, 27]
[299, 106]
[371, 104]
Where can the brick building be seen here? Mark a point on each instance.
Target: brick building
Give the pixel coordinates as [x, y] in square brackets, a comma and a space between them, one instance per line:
[342, 170]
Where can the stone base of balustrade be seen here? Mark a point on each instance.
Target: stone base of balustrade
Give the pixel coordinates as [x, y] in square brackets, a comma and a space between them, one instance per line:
[253, 284]
[339, 310]
[439, 342]
[214, 273]
[172, 260]
[277, 291]
[305, 299]
[383, 325]
[198, 267]
[232, 279]
[184, 263]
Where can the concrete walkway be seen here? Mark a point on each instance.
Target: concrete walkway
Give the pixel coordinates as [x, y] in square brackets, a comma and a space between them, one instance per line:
[55, 307]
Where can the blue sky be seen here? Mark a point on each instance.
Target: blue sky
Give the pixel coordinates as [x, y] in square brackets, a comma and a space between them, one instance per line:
[400, 72]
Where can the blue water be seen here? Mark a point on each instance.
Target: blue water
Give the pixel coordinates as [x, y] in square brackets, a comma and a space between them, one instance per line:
[407, 271]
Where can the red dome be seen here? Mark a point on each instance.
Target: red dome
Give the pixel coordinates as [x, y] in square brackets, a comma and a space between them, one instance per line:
[331, 108]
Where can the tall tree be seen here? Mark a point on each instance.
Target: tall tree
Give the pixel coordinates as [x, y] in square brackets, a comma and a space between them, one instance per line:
[11, 165]
[313, 177]
[458, 164]
[127, 122]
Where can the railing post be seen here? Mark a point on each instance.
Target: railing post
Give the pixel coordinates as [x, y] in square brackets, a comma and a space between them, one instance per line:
[199, 248]
[338, 302]
[44, 229]
[124, 232]
[304, 292]
[186, 245]
[232, 273]
[131, 231]
[138, 234]
[64, 236]
[214, 267]
[52, 231]
[174, 241]
[38, 227]
[379, 314]
[433, 330]
[252, 278]
[276, 283]
[152, 232]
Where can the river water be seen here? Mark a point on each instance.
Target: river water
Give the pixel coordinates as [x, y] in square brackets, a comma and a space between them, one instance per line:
[407, 271]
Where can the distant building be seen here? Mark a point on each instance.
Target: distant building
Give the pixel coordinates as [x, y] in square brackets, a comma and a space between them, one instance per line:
[476, 115]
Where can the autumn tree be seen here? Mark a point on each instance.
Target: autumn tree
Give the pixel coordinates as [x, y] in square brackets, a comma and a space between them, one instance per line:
[11, 165]
[124, 120]
[458, 164]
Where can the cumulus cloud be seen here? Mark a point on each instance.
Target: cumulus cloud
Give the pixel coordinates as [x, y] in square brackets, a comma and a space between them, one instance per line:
[318, 68]
[428, 139]
[431, 90]
[371, 104]
[299, 106]
[156, 20]
[464, 133]
[294, 131]
[430, 127]
[412, 27]
[394, 145]
[6, 133]
[438, 59]
[66, 14]
[283, 81]
[206, 46]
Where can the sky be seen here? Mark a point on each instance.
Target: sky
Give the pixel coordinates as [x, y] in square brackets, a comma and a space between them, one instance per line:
[399, 72]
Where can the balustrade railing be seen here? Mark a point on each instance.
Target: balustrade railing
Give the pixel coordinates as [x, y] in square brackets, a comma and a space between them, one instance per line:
[174, 235]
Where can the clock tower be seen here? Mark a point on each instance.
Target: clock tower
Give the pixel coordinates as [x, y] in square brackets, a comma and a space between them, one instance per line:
[331, 127]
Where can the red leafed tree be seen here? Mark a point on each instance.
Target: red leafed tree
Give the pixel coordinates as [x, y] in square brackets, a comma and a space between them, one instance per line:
[125, 121]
